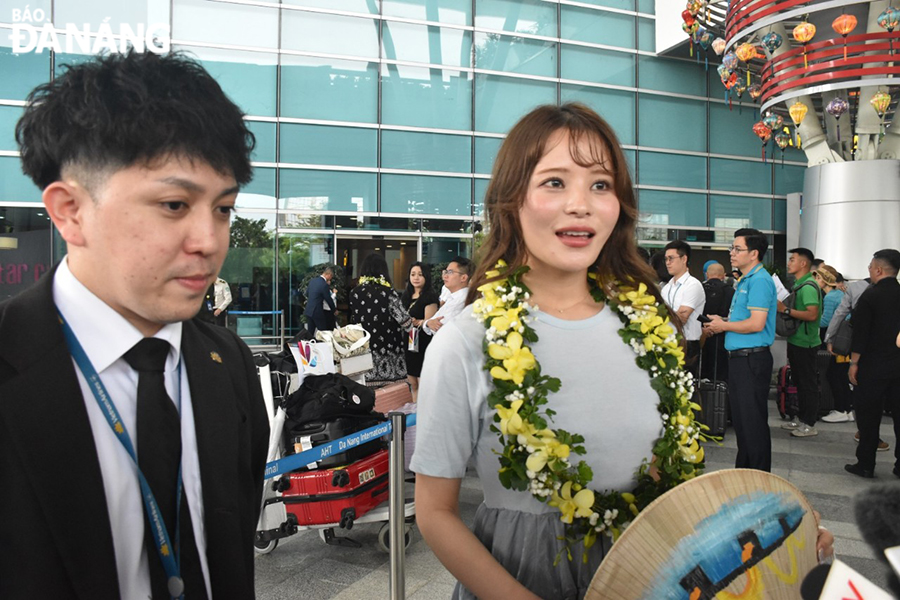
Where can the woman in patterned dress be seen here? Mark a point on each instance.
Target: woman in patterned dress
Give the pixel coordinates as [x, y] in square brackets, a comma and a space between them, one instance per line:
[377, 307]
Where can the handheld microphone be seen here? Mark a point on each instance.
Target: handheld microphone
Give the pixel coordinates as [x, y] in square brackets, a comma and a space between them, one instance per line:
[877, 509]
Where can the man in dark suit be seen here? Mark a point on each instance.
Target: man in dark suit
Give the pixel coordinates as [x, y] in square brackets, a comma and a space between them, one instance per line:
[318, 296]
[875, 360]
[140, 158]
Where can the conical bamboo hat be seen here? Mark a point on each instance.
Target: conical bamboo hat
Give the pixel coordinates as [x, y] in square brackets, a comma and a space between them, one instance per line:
[737, 533]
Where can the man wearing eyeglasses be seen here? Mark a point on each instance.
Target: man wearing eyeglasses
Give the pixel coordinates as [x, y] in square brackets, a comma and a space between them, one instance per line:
[685, 297]
[749, 333]
[456, 280]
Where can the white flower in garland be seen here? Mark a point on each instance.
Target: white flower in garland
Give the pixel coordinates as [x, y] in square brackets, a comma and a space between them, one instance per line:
[380, 280]
[537, 458]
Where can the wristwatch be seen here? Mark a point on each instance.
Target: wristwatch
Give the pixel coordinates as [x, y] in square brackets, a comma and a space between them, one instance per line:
[787, 311]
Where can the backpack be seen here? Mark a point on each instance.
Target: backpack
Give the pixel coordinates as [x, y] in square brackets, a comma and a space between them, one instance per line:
[840, 342]
[785, 325]
[718, 297]
[323, 398]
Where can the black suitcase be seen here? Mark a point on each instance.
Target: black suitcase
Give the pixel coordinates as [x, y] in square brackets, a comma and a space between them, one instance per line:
[712, 396]
[826, 399]
[316, 433]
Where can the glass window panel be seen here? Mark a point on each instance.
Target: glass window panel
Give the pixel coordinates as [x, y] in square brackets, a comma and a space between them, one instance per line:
[249, 270]
[674, 170]
[740, 176]
[597, 66]
[623, 4]
[25, 234]
[446, 225]
[423, 97]
[481, 186]
[451, 12]
[265, 141]
[438, 251]
[731, 131]
[486, 150]
[427, 44]
[629, 158]
[420, 194]
[224, 23]
[95, 12]
[520, 16]
[260, 192]
[679, 76]
[515, 55]
[780, 220]
[647, 6]
[21, 72]
[501, 101]
[9, 116]
[597, 26]
[333, 90]
[324, 145]
[792, 152]
[647, 35]
[303, 189]
[723, 210]
[14, 185]
[789, 179]
[377, 223]
[332, 34]
[426, 151]
[673, 123]
[298, 255]
[360, 6]
[613, 105]
[250, 79]
[672, 208]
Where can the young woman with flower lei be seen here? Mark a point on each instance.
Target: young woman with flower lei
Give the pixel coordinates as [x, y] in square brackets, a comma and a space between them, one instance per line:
[563, 380]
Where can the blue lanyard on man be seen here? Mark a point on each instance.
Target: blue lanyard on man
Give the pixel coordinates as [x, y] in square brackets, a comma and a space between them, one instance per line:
[171, 560]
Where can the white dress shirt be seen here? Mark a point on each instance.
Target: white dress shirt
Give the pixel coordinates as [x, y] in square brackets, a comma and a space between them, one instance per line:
[686, 291]
[452, 307]
[106, 336]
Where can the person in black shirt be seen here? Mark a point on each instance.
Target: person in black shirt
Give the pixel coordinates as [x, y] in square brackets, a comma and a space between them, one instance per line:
[875, 359]
[718, 302]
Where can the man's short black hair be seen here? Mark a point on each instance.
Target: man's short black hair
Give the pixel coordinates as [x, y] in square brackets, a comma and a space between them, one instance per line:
[755, 239]
[119, 110]
[817, 262]
[889, 259]
[465, 265]
[680, 246]
[805, 253]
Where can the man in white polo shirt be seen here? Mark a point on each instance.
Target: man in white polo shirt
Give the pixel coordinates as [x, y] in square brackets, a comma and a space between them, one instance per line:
[685, 297]
[456, 280]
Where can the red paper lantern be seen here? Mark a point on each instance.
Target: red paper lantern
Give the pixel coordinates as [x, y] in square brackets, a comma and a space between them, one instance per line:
[843, 25]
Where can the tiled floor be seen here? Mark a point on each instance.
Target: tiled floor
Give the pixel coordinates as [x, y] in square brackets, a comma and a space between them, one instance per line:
[304, 567]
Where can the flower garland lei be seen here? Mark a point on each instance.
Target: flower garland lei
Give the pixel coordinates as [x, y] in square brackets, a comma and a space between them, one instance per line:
[380, 280]
[536, 457]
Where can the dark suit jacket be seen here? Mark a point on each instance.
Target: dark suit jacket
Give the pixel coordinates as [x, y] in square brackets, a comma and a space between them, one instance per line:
[55, 536]
[316, 293]
[876, 321]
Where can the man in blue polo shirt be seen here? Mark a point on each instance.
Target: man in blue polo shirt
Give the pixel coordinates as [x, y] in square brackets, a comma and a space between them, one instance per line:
[749, 332]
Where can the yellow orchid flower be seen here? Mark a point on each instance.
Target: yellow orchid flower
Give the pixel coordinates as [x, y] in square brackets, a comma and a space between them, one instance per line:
[509, 318]
[650, 340]
[516, 360]
[579, 505]
[538, 459]
[638, 298]
[510, 421]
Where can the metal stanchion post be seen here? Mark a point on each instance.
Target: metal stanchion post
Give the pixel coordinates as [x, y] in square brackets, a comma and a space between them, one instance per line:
[396, 509]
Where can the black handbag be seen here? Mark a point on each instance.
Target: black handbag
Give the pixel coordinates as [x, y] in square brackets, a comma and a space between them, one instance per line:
[323, 398]
[840, 341]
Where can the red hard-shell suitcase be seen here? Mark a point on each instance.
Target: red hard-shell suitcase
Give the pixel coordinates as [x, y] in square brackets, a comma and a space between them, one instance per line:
[338, 495]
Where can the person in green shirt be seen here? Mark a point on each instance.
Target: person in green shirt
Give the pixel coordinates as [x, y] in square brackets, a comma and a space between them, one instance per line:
[803, 345]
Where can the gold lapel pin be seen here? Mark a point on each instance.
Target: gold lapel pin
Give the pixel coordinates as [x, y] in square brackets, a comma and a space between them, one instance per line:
[215, 356]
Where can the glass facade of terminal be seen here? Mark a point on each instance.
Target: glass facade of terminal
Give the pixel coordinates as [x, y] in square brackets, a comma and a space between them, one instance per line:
[377, 123]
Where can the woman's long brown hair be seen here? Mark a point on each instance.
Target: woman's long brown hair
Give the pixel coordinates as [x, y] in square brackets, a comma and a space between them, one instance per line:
[526, 143]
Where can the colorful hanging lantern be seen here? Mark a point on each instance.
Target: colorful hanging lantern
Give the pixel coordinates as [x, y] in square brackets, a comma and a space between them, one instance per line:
[718, 46]
[889, 19]
[880, 102]
[724, 73]
[804, 32]
[730, 60]
[836, 108]
[782, 140]
[797, 111]
[739, 88]
[690, 29]
[772, 41]
[754, 90]
[763, 133]
[687, 17]
[773, 121]
[746, 52]
[843, 25]
[695, 6]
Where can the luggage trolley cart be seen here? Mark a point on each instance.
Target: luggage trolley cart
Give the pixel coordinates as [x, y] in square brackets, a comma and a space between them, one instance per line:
[325, 499]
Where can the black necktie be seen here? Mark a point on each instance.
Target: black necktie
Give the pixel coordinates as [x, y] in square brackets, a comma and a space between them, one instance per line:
[159, 457]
